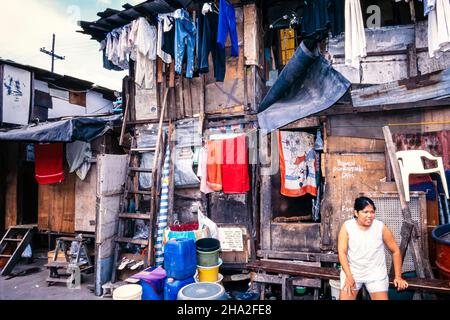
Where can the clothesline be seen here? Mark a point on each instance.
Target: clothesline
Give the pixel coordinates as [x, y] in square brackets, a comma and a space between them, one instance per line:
[174, 36]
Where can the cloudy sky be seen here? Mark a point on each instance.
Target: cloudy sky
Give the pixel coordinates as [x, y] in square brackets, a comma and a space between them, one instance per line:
[28, 25]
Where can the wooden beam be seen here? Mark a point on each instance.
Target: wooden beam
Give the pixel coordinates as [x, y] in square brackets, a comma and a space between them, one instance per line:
[423, 267]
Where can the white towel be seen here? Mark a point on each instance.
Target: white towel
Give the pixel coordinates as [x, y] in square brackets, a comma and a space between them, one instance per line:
[355, 38]
[439, 29]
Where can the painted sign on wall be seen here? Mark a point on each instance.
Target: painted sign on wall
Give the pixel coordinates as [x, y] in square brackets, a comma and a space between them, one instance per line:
[16, 95]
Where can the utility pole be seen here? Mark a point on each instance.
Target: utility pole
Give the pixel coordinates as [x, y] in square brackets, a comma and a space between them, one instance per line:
[52, 53]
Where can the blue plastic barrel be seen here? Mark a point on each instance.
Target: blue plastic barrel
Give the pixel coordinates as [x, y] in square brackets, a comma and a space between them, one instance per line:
[180, 258]
[152, 283]
[172, 286]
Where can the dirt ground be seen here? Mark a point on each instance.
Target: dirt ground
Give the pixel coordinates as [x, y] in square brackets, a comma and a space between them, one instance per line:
[34, 286]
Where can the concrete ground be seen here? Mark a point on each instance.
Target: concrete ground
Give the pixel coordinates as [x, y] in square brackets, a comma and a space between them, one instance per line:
[34, 286]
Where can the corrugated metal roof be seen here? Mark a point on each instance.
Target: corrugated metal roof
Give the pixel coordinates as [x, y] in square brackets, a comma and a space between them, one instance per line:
[111, 19]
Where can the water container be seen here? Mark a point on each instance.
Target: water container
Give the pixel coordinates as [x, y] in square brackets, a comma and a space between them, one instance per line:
[441, 236]
[152, 283]
[202, 291]
[128, 292]
[172, 286]
[208, 252]
[180, 259]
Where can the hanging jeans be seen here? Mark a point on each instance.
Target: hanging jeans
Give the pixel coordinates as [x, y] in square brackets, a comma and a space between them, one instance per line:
[227, 22]
[184, 41]
[208, 44]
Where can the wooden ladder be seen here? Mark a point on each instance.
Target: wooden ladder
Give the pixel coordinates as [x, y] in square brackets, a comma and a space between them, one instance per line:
[16, 240]
[132, 190]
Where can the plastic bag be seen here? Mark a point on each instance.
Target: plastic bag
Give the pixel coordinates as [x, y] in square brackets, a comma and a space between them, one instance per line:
[140, 230]
[204, 221]
[27, 253]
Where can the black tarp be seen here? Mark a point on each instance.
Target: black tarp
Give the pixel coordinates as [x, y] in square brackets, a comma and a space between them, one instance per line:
[307, 85]
[67, 130]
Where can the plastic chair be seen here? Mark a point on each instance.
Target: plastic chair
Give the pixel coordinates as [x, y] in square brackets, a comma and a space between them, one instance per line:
[410, 162]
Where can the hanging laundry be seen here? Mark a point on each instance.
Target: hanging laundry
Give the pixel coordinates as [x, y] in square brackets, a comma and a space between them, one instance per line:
[202, 171]
[209, 44]
[297, 163]
[227, 23]
[235, 177]
[48, 159]
[165, 56]
[214, 168]
[168, 45]
[78, 154]
[106, 63]
[144, 38]
[184, 41]
[355, 37]
[316, 19]
[438, 28]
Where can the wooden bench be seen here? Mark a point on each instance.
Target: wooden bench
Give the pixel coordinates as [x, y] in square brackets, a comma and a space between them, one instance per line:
[293, 269]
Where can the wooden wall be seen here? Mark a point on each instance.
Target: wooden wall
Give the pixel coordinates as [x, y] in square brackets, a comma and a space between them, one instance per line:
[56, 209]
[11, 156]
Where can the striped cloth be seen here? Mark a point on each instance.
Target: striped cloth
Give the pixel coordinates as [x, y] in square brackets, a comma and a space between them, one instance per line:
[163, 210]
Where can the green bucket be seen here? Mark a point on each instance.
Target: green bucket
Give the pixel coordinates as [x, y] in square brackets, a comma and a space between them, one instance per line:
[208, 259]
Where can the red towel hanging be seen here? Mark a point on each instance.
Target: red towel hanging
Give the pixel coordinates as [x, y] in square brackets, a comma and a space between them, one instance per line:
[48, 159]
[235, 177]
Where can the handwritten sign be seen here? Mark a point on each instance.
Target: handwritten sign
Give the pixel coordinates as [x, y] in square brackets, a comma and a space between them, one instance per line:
[347, 168]
[231, 239]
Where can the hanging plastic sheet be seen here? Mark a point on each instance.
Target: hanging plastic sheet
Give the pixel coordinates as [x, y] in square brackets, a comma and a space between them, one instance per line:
[307, 85]
[184, 173]
[146, 138]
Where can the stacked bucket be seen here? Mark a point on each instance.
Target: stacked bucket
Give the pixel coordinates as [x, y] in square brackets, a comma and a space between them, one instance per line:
[208, 261]
[180, 265]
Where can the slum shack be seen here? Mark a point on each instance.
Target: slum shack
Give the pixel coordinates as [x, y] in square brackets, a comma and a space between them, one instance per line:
[256, 124]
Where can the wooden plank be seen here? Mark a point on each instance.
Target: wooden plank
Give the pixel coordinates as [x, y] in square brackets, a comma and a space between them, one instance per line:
[333, 274]
[251, 35]
[11, 156]
[295, 236]
[348, 175]
[423, 268]
[220, 96]
[354, 145]
[187, 97]
[85, 201]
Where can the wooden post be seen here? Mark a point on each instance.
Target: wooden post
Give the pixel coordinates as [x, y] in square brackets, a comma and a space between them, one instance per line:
[155, 173]
[171, 142]
[409, 231]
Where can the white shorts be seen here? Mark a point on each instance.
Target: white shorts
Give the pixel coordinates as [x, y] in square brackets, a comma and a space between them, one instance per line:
[371, 286]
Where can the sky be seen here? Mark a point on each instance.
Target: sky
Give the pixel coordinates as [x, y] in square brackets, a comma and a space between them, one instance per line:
[28, 25]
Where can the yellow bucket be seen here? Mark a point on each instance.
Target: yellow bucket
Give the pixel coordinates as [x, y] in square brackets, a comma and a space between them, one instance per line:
[209, 274]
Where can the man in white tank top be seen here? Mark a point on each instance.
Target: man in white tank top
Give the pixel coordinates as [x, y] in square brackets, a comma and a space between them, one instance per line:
[361, 244]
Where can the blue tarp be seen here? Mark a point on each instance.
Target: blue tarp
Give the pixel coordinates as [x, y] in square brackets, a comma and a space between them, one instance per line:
[68, 130]
[307, 85]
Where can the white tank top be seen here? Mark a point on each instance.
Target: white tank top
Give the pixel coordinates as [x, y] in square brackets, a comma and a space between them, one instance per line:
[365, 254]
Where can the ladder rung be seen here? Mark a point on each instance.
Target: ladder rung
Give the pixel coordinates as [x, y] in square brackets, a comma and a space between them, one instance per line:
[142, 149]
[140, 192]
[12, 240]
[145, 216]
[5, 256]
[135, 241]
[136, 169]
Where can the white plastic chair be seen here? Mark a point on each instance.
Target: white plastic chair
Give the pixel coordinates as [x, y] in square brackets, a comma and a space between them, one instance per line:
[410, 162]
